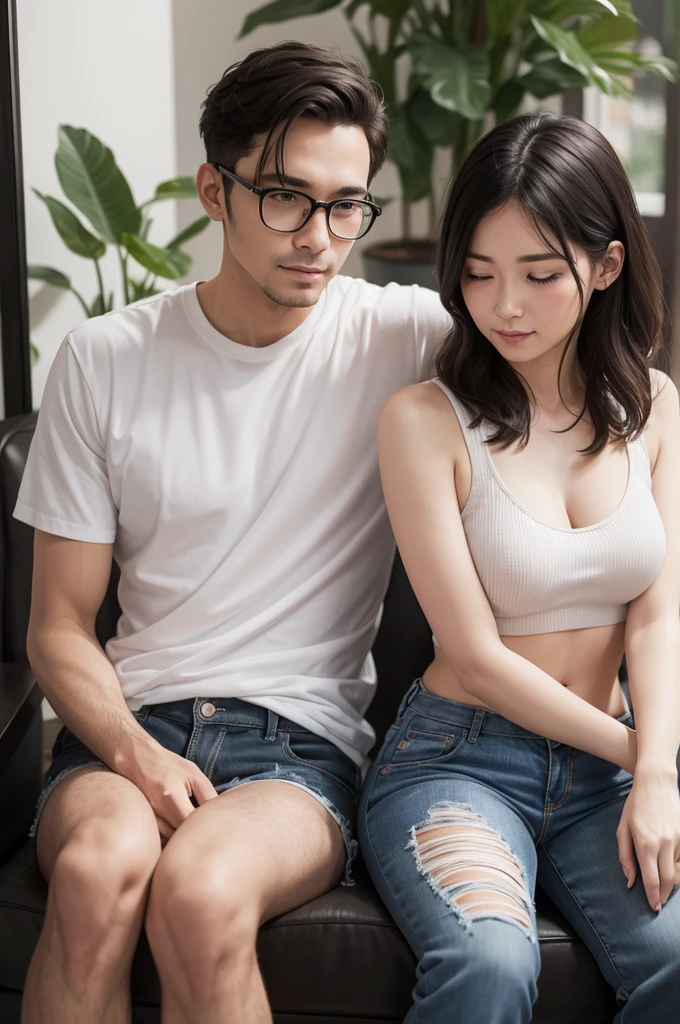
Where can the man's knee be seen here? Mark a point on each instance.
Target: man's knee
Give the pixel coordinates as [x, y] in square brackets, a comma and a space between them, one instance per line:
[101, 872]
[201, 920]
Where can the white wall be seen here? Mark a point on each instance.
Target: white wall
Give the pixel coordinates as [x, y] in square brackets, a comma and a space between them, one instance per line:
[108, 68]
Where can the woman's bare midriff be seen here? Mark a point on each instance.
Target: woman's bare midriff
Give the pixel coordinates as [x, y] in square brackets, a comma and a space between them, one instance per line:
[586, 661]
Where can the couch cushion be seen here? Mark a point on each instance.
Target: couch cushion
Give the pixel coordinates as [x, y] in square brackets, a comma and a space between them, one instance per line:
[340, 954]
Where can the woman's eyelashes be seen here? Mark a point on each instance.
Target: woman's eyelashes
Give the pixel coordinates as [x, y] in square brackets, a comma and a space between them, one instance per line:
[535, 280]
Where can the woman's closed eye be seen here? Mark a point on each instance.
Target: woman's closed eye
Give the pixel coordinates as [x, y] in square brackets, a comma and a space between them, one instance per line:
[535, 280]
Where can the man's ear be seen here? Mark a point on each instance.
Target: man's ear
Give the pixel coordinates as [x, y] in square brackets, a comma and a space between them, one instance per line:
[610, 266]
[210, 189]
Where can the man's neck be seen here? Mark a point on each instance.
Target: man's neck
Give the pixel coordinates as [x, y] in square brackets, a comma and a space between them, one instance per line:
[238, 308]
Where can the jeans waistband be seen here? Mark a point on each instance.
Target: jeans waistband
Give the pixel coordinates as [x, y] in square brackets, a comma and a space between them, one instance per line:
[466, 716]
[223, 711]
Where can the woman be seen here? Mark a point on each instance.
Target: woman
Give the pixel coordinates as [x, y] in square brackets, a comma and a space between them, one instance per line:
[534, 492]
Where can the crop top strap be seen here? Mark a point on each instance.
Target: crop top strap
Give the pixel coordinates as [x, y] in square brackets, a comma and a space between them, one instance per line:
[474, 439]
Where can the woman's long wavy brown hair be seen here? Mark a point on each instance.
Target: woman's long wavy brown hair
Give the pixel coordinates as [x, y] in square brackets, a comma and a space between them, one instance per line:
[570, 182]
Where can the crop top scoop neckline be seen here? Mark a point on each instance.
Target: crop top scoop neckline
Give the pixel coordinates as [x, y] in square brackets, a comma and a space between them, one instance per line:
[542, 578]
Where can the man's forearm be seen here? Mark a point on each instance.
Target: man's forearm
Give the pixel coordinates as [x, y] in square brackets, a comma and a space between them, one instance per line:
[653, 663]
[81, 685]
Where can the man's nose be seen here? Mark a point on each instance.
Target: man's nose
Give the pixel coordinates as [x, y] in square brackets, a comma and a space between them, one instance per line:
[315, 234]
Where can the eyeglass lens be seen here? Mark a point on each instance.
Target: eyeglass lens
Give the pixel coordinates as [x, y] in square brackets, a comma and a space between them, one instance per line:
[287, 211]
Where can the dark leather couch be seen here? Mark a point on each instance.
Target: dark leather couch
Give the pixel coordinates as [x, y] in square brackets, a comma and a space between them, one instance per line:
[339, 959]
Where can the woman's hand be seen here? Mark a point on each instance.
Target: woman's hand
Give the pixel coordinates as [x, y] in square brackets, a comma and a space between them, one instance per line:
[650, 830]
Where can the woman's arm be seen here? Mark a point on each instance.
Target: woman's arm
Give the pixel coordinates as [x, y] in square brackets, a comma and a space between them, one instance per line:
[652, 639]
[417, 436]
[650, 824]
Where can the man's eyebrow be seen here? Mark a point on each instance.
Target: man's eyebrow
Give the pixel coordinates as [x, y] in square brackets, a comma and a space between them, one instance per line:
[533, 258]
[286, 179]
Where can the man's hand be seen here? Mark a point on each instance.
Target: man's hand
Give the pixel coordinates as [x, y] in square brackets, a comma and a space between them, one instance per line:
[169, 781]
[650, 830]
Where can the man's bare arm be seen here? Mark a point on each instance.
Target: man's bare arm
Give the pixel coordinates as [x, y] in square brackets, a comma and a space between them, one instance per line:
[70, 578]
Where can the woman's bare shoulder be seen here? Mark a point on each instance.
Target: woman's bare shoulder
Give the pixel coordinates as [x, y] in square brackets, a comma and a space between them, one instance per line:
[664, 417]
[423, 409]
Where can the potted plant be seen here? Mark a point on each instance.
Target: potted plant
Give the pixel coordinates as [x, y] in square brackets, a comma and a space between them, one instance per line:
[97, 188]
[470, 64]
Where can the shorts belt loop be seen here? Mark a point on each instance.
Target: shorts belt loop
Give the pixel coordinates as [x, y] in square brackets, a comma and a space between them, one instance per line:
[272, 725]
[477, 722]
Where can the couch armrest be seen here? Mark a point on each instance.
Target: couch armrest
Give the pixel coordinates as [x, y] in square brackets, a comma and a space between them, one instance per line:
[20, 698]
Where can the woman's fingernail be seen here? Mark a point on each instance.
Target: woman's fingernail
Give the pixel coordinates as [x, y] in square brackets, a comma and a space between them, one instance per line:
[657, 907]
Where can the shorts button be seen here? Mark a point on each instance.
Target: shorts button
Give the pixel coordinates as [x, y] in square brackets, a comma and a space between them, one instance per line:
[208, 709]
[401, 745]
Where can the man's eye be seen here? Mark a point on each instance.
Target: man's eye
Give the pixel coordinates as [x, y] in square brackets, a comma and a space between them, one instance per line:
[347, 207]
[286, 198]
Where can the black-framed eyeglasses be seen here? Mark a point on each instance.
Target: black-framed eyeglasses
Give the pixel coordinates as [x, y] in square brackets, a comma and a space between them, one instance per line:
[287, 210]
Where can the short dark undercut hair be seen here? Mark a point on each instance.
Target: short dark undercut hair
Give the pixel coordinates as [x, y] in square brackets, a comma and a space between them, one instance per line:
[267, 91]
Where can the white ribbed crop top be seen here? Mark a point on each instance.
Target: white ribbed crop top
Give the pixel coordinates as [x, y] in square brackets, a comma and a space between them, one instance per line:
[540, 578]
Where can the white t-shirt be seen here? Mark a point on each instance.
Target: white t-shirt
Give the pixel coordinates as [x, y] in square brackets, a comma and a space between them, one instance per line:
[240, 489]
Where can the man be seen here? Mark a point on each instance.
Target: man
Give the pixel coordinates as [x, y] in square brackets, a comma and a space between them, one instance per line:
[219, 440]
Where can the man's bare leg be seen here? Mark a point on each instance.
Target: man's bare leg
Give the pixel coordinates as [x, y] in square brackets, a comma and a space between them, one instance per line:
[98, 844]
[257, 851]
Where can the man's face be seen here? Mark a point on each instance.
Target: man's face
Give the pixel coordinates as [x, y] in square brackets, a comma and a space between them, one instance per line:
[292, 269]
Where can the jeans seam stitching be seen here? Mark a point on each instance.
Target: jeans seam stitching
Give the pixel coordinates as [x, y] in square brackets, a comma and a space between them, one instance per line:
[567, 788]
[546, 805]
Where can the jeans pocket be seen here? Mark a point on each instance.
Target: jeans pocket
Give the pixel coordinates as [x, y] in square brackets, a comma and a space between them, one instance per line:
[318, 754]
[420, 744]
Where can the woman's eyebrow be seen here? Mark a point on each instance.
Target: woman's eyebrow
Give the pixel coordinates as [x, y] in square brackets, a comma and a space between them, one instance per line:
[533, 258]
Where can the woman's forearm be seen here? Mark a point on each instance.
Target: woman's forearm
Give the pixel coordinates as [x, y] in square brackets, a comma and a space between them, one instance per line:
[653, 663]
[534, 700]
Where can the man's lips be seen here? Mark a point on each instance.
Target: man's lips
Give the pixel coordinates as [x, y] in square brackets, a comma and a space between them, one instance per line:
[308, 273]
[513, 337]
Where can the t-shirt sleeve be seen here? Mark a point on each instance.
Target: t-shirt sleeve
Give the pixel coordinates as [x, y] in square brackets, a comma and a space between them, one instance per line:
[65, 487]
[432, 324]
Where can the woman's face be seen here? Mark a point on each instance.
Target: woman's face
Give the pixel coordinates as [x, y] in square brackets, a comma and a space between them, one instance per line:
[523, 298]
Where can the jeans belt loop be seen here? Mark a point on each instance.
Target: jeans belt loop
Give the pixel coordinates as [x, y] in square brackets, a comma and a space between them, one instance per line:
[477, 722]
[272, 726]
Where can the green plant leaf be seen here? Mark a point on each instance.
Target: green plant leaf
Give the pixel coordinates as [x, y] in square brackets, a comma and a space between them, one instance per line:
[508, 98]
[412, 154]
[189, 232]
[49, 275]
[502, 16]
[72, 233]
[570, 52]
[168, 263]
[560, 10]
[176, 188]
[625, 62]
[607, 31]
[282, 10]
[551, 77]
[393, 10]
[98, 306]
[35, 354]
[91, 179]
[435, 122]
[457, 77]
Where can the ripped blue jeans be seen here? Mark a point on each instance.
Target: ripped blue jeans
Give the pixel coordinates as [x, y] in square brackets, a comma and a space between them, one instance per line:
[461, 813]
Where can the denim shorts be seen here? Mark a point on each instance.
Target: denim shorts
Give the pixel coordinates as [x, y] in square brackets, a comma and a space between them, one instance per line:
[234, 742]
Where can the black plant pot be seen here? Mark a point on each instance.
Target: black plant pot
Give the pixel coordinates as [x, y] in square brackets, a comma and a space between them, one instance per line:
[406, 261]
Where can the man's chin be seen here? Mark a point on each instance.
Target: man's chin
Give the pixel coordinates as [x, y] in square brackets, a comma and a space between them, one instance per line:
[299, 300]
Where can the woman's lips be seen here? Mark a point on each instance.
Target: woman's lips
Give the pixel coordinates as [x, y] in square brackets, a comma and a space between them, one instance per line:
[513, 337]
